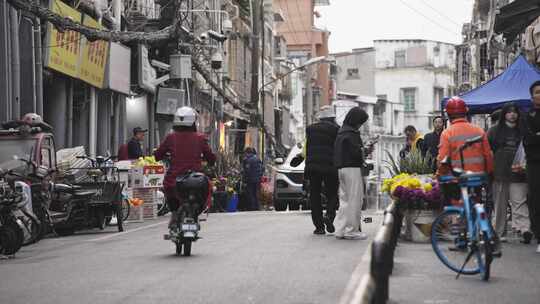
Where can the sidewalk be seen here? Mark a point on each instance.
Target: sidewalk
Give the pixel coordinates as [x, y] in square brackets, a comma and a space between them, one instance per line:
[419, 277]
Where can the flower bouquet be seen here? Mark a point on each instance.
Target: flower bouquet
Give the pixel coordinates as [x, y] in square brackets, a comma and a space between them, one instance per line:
[419, 197]
[418, 192]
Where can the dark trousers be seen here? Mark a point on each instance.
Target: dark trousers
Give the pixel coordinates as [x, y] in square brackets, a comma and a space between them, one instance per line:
[533, 200]
[251, 191]
[316, 181]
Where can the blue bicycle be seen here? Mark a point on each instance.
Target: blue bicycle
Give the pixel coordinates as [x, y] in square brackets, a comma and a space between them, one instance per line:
[462, 237]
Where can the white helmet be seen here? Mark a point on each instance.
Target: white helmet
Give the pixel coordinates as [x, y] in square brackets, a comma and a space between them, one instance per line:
[185, 117]
[326, 112]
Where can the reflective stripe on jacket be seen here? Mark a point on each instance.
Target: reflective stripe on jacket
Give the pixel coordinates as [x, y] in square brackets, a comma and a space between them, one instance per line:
[477, 158]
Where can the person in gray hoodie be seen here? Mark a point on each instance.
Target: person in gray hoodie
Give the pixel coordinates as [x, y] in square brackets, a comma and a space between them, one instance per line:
[349, 160]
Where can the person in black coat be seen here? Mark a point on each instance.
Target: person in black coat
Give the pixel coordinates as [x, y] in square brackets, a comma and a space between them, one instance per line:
[430, 146]
[252, 174]
[134, 145]
[531, 143]
[349, 160]
[320, 169]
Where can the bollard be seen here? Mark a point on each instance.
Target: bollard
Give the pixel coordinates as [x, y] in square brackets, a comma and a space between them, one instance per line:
[390, 223]
[380, 263]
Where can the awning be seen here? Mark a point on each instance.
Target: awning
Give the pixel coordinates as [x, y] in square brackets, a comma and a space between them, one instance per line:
[514, 18]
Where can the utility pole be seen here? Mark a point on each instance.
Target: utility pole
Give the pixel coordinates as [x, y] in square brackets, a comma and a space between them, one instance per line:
[255, 53]
[263, 97]
[309, 97]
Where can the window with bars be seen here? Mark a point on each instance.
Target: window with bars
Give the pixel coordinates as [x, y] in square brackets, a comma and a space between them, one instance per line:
[408, 97]
[352, 74]
[438, 95]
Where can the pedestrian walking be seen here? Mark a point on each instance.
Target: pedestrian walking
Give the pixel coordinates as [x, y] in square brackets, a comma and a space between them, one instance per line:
[135, 143]
[531, 143]
[349, 160]
[509, 186]
[413, 141]
[320, 169]
[430, 147]
[252, 174]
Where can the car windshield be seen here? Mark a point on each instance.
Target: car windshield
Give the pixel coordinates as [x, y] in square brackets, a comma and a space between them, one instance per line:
[19, 147]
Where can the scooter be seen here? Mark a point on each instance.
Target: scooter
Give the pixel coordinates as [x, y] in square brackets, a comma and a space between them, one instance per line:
[11, 232]
[192, 189]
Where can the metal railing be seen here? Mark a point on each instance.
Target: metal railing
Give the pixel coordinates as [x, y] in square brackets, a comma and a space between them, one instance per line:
[374, 287]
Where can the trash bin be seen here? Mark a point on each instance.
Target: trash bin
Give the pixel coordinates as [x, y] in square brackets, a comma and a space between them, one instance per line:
[233, 203]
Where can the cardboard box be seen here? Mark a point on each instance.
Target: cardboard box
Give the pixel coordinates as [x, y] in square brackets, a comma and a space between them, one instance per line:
[147, 176]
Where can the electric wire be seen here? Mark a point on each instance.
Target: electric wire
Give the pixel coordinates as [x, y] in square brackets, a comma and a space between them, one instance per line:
[427, 18]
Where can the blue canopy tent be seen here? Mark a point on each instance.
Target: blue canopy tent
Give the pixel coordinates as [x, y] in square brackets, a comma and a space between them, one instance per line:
[511, 85]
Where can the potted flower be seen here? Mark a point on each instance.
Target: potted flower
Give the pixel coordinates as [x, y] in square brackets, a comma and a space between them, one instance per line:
[416, 192]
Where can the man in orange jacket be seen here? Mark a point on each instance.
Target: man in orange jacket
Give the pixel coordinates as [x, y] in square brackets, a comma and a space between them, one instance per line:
[478, 157]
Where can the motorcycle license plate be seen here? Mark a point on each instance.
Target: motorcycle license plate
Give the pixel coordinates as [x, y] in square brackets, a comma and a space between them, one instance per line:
[190, 227]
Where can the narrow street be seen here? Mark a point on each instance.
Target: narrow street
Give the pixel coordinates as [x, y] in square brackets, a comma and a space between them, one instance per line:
[243, 258]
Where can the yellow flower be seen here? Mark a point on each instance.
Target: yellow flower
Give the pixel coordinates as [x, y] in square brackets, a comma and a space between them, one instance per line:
[427, 187]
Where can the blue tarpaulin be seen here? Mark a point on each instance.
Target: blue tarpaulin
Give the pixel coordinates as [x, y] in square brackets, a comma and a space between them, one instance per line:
[511, 85]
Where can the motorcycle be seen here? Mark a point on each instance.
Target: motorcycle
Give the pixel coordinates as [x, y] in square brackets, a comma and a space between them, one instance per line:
[192, 189]
[11, 232]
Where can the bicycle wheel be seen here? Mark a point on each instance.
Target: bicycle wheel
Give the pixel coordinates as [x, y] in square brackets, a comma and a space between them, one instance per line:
[485, 254]
[450, 243]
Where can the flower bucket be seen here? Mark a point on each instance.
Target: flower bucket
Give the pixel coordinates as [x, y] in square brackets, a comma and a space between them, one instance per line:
[418, 225]
[233, 203]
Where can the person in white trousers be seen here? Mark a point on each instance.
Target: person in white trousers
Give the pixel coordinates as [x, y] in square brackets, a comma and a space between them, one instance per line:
[509, 183]
[349, 160]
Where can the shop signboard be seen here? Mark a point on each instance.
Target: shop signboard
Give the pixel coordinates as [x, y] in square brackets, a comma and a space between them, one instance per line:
[169, 100]
[63, 48]
[118, 75]
[94, 57]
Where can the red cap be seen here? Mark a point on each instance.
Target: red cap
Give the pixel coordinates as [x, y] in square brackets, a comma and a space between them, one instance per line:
[456, 106]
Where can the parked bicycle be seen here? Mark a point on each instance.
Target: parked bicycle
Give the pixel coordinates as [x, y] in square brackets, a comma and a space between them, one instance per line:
[462, 237]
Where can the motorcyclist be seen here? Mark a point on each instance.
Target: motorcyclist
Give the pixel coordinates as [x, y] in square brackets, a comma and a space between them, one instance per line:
[187, 149]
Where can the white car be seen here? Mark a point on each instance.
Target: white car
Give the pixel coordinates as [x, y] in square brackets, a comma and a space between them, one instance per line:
[288, 183]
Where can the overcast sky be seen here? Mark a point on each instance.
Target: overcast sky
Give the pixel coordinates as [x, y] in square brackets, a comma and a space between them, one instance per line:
[356, 23]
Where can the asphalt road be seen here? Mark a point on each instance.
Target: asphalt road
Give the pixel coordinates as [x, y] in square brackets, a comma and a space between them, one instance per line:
[262, 257]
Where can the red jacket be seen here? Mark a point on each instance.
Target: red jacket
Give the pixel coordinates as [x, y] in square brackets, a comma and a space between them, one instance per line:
[477, 158]
[187, 150]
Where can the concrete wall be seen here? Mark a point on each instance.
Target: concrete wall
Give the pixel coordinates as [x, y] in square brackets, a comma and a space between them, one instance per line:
[429, 65]
[364, 61]
[390, 82]
[418, 53]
